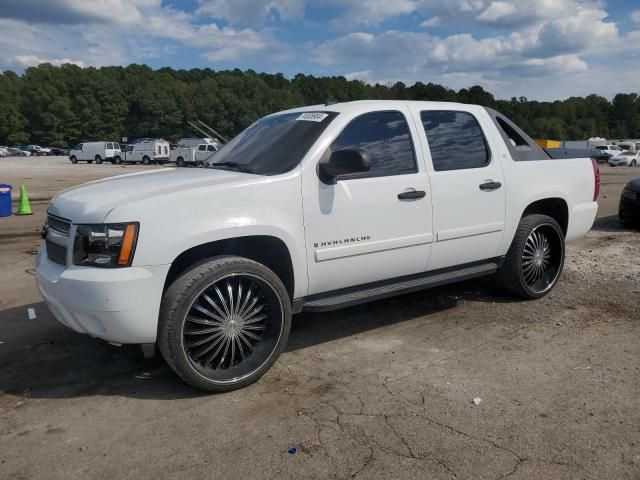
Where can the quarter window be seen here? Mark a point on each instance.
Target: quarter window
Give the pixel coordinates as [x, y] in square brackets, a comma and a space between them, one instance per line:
[455, 140]
[385, 138]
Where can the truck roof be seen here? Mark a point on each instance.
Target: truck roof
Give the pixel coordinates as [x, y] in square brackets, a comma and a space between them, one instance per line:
[358, 105]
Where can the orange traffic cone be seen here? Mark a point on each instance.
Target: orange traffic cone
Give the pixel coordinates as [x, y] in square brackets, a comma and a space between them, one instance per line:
[24, 207]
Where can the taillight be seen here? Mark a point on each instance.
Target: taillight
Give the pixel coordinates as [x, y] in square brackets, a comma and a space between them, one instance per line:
[596, 176]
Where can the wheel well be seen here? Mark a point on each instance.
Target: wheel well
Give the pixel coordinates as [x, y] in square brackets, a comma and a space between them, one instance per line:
[555, 208]
[269, 251]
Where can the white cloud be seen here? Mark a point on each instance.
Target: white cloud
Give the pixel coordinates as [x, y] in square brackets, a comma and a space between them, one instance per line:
[32, 60]
[251, 12]
[496, 11]
[635, 16]
[431, 22]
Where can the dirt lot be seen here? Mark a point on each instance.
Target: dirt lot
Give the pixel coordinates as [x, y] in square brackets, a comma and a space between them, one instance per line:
[377, 391]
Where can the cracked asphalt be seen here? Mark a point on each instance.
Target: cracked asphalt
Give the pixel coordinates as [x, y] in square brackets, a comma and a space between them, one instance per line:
[377, 391]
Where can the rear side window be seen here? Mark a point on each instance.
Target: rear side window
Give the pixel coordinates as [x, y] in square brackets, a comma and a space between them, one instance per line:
[385, 138]
[455, 140]
[202, 148]
[520, 145]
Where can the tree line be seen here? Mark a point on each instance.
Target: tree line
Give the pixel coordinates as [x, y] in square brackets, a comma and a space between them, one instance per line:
[64, 105]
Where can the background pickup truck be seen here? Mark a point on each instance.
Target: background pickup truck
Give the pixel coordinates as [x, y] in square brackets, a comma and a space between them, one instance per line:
[310, 209]
[197, 155]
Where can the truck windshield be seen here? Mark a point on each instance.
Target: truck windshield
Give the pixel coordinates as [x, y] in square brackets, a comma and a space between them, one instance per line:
[274, 144]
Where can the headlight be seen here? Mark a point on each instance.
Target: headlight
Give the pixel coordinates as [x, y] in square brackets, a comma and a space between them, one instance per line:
[629, 194]
[105, 245]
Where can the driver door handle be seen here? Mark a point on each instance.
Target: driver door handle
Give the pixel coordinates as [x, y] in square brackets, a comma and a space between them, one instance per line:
[490, 185]
[412, 194]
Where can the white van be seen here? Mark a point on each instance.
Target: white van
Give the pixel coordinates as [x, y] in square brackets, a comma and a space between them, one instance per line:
[94, 151]
[145, 151]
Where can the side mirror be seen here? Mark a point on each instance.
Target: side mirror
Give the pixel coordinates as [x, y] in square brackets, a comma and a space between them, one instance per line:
[342, 162]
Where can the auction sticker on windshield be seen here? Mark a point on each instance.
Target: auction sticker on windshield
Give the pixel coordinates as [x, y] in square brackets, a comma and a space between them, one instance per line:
[313, 116]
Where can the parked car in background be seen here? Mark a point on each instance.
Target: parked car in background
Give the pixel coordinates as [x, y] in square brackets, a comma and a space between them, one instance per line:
[16, 152]
[313, 209]
[194, 154]
[612, 150]
[94, 151]
[4, 151]
[627, 158]
[145, 151]
[64, 152]
[38, 150]
[629, 210]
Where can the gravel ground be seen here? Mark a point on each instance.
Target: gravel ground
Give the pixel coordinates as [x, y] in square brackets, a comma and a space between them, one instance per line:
[382, 390]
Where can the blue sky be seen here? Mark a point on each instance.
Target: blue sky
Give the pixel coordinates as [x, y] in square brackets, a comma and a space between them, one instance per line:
[542, 49]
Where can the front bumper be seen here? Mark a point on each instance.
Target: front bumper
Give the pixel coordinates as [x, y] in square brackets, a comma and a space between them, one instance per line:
[115, 304]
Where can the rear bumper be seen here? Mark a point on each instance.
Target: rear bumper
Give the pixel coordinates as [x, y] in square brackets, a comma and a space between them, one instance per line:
[118, 305]
[581, 220]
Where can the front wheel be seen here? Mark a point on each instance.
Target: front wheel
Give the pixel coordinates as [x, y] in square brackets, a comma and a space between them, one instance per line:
[633, 163]
[535, 259]
[117, 160]
[223, 323]
[98, 159]
[73, 159]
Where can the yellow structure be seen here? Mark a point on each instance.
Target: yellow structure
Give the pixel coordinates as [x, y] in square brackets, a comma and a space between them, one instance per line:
[548, 143]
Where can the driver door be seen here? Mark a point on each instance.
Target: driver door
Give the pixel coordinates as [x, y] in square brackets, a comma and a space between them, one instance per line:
[365, 227]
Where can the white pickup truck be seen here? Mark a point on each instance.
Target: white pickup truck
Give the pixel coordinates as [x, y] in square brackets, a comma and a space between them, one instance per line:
[312, 209]
[195, 156]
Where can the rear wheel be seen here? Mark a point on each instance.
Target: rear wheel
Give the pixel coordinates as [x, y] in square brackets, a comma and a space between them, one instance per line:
[73, 159]
[146, 160]
[633, 163]
[223, 323]
[180, 162]
[98, 159]
[535, 259]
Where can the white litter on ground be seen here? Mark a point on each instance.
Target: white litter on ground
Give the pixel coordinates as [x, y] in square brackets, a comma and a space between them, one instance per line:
[32, 313]
[476, 401]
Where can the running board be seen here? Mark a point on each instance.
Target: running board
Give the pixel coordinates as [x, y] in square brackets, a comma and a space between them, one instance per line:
[375, 291]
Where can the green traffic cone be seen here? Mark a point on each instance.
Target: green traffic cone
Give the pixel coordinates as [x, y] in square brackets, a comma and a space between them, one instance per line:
[24, 207]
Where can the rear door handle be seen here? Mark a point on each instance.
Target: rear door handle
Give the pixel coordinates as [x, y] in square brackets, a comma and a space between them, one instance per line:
[412, 194]
[490, 185]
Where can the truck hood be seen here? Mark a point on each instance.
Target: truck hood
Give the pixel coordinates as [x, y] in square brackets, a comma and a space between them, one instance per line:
[91, 202]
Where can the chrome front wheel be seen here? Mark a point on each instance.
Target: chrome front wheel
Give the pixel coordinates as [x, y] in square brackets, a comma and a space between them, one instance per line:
[224, 323]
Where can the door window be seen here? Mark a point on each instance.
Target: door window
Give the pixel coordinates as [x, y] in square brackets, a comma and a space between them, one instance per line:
[455, 140]
[202, 148]
[385, 138]
[109, 146]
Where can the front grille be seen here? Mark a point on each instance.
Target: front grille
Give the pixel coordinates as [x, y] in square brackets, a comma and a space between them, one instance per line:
[57, 253]
[57, 224]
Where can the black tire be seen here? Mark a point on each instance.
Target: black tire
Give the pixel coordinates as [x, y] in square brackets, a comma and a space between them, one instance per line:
[529, 270]
[146, 160]
[117, 160]
[73, 159]
[89, 162]
[633, 163]
[180, 162]
[199, 298]
[98, 159]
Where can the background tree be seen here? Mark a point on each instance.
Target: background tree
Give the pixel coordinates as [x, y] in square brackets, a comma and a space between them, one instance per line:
[65, 105]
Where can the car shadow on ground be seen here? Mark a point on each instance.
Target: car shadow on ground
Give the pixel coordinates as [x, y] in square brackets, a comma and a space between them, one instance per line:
[41, 358]
[611, 224]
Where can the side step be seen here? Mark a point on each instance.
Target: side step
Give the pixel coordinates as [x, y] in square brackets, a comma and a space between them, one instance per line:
[375, 291]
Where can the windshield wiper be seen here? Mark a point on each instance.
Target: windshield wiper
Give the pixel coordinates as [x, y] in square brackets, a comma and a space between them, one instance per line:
[241, 167]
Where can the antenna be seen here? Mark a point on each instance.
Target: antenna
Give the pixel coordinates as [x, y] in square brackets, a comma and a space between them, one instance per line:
[205, 132]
